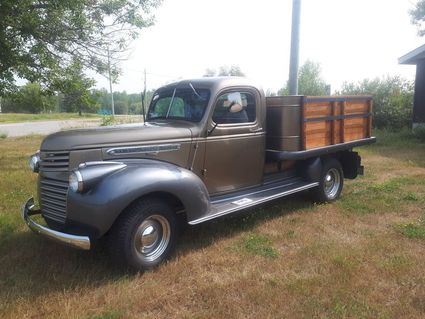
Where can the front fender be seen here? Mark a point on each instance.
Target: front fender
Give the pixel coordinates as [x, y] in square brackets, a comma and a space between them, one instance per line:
[99, 206]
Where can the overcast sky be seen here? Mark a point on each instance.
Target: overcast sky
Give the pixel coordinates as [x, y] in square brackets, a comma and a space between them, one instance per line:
[351, 39]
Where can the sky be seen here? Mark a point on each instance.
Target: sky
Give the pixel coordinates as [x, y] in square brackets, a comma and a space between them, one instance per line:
[351, 39]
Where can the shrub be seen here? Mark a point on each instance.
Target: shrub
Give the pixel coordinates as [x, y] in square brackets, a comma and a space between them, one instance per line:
[419, 132]
[393, 100]
[107, 120]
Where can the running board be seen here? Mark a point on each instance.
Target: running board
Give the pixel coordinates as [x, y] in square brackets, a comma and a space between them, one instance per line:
[224, 207]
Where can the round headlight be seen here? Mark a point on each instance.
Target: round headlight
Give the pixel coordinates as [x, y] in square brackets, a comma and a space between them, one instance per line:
[35, 162]
[76, 181]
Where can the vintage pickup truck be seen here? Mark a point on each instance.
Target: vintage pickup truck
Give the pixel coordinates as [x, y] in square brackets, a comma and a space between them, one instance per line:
[208, 148]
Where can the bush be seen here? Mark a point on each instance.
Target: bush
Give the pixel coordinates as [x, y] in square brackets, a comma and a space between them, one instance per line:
[393, 100]
[419, 132]
[107, 120]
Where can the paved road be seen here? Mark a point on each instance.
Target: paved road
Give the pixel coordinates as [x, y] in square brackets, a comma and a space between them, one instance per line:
[45, 127]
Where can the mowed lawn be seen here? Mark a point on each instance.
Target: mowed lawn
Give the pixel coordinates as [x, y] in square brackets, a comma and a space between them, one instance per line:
[361, 257]
[27, 117]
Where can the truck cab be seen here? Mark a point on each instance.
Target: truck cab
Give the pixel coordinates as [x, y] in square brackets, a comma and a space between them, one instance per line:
[208, 148]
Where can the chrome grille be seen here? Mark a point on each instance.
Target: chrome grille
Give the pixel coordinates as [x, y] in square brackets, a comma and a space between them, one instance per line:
[53, 199]
[56, 161]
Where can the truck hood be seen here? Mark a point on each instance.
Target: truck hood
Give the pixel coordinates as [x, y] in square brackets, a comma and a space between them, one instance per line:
[116, 135]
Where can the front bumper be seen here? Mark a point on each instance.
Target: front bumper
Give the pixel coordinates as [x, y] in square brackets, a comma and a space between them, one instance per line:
[81, 242]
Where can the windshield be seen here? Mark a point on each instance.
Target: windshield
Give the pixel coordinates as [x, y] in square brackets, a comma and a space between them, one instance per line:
[183, 104]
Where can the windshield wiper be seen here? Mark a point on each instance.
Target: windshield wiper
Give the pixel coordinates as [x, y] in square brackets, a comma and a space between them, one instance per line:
[194, 91]
[171, 103]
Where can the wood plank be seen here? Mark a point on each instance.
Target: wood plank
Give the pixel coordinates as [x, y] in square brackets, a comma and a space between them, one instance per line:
[317, 110]
[318, 134]
[342, 122]
[333, 124]
[357, 107]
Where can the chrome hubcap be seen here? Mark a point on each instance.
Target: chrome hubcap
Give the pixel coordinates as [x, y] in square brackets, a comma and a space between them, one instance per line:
[152, 237]
[332, 183]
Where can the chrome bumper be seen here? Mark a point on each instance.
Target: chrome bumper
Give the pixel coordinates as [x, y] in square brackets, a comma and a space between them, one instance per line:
[81, 242]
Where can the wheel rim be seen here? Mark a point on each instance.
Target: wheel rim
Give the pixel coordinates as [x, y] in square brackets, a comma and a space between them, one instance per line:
[332, 183]
[152, 237]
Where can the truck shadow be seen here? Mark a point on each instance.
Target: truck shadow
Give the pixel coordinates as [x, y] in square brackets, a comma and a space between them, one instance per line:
[32, 266]
[201, 236]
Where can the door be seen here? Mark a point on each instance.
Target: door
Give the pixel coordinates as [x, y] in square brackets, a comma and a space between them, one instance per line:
[234, 155]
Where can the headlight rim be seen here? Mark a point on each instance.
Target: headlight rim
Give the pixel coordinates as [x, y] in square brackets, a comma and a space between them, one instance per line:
[35, 164]
[79, 181]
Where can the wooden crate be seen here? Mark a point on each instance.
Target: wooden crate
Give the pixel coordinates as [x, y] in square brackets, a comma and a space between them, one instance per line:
[333, 120]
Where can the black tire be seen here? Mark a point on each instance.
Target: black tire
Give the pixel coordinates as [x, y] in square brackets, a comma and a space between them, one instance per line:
[331, 182]
[149, 220]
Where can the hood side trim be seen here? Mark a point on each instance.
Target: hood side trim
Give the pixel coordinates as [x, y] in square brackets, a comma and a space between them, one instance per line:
[143, 149]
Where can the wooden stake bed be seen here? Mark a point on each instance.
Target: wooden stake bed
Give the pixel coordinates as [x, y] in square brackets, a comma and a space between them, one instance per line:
[334, 120]
[302, 123]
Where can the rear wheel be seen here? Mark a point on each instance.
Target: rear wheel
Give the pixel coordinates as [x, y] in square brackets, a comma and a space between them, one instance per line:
[331, 181]
[144, 235]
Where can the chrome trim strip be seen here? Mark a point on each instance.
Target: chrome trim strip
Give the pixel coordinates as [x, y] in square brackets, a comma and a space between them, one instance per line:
[253, 203]
[145, 149]
[229, 136]
[81, 242]
[100, 163]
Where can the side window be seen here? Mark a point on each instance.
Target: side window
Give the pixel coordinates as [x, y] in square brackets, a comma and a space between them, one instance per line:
[234, 107]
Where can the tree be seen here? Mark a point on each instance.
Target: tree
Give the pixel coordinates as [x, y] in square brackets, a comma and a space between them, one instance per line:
[41, 38]
[392, 100]
[310, 80]
[76, 89]
[418, 16]
[224, 70]
[233, 70]
[30, 98]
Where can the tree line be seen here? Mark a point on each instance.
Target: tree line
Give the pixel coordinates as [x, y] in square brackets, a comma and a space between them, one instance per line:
[32, 98]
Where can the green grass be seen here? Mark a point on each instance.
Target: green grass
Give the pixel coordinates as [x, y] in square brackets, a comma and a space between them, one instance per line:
[259, 245]
[360, 257]
[412, 230]
[23, 117]
[3, 135]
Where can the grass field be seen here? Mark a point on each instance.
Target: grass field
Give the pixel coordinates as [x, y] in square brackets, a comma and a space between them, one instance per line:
[23, 117]
[361, 257]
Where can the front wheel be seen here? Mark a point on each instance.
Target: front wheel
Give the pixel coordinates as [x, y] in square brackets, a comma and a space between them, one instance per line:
[331, 181]
[144, 235]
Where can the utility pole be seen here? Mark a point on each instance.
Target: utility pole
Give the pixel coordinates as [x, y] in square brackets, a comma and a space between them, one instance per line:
[295, 46]
[144, 98]
[110, 83]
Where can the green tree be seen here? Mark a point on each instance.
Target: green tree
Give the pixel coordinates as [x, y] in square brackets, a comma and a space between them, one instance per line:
[310, 80]
[392, 100]
[75, 87]
[30, 98]
[40, 38]
[417, 15]
[233, 70]
[225, 70]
